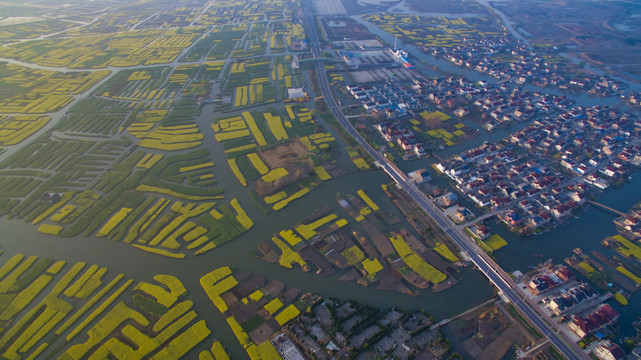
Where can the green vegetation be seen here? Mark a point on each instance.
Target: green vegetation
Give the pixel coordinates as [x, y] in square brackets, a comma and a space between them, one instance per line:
[620, 299]
[627, 247]
[372, 266]
[288, 256]
[495, 242]
[354, 255]
[32, 326]
[445, 252]
[586, 267]
[253, 322]
[629, 275]
[148, 305]
[425, 270]
[126, 210]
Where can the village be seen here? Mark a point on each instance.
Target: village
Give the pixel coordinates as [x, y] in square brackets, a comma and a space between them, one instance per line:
[542, 174]
[574, 306]
[488, 55]
[549, 169]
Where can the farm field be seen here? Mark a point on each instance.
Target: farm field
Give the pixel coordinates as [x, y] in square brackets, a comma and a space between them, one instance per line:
[254, 307]
[15, 129]
[435, 31]
[31, 30]
[170, 135]
[130, 48]
[74, 311]
[130, 165]
[254, 82]
[272, 152]
[42, 91]
[325, 242]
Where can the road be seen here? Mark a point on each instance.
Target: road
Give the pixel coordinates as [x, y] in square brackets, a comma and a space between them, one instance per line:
[478, 256]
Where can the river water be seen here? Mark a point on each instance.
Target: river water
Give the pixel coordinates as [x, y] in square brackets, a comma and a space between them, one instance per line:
[20, 237]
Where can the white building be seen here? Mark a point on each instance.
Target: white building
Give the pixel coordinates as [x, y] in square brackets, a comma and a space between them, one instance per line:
[607, 350]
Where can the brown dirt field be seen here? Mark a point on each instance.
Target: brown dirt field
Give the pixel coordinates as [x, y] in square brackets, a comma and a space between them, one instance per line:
[336, 257]
[389, 282]
[290, 295]
[410, 276]
[351, 29]
[381, 241]
[247, 287]
[261, 333]
[328, 229]
[472, 347]
[365, 244]
[462, 328]
[291, 156]
[317, 214]
[268, 253]
[243, 312]
[312, 256]
[351, 275]
[274, 288]
[496, 350]
[285, 155]
[229, 298]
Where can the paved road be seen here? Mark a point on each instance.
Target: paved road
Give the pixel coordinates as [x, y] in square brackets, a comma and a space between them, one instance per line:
[482, 261]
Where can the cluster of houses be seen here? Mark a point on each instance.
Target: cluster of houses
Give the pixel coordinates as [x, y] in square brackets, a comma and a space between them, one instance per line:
[480, 231]
[389, 97]
[404, 138]
[594, 321]
[420, 176]
[630, 224]
[593, 142]
[494, 176]
[563, 296]
[633, 98]
[498, 103]
[549, 278]
[594, 146]
[488, 55]
[571, 299]
[517, 105]
[607, 350]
